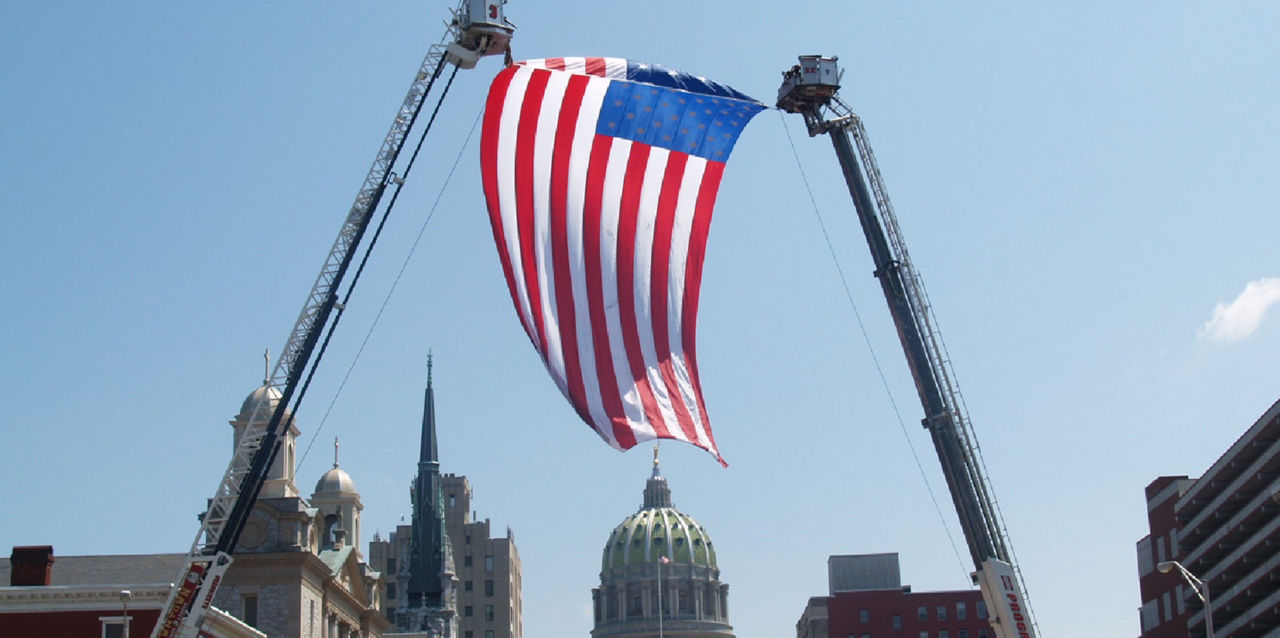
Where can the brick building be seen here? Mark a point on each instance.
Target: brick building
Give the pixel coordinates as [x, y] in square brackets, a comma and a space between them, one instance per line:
[866, 599]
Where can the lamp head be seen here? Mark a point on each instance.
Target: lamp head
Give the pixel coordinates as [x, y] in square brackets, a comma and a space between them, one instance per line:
[1166, 567]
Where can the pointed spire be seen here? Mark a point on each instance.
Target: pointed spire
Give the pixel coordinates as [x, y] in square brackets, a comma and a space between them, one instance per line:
[428, 454]
[335, 451]
[266, 367]
[429, 541]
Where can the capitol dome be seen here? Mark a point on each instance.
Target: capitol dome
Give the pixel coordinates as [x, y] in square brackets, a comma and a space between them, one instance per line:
[658, 574]
[658, 530]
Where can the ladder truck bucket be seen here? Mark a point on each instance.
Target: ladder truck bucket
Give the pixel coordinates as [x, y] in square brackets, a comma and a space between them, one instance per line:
[482, 31]
[809, 84]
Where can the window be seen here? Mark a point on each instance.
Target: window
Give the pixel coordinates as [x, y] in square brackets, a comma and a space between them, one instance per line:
[453, 500]
[468, 539]
[468, 586]
[488, 613]
[249, 603]
[982, 633]
[942, 612]
[466, 561]
[922, 614]
[897, 622]
[982, 609]
[963, 633]
[391, 591]
[864, 616]
[962, 612]
[488, 588]
[467, 634]
[113, 626]
[924, 634]
[468, 611]
[488, 633]
[488, 563]
[943, 633]
[391, 565]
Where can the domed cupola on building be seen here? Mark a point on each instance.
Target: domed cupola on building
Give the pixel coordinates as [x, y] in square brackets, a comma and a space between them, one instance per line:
[265, 398]
[339, 507]
[658, 574]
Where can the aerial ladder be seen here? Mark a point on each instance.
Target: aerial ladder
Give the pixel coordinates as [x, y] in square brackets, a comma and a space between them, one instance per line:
[477, 28]
[809, 88]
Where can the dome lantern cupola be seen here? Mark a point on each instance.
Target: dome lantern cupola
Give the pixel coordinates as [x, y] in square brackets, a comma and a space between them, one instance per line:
[339, 503]
[265, 399]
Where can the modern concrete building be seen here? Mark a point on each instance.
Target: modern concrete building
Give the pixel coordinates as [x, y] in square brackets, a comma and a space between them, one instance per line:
[867, 600]
[1224, 528]
[446, 577]
[658, 575]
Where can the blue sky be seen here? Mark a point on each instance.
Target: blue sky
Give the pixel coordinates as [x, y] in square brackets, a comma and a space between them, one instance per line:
[1088, 190]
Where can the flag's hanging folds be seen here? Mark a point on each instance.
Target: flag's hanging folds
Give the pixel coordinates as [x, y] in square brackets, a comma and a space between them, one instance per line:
[600, 176]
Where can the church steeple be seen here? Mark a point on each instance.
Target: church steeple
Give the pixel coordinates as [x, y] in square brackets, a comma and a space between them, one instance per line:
[428, 454]
[428, 551]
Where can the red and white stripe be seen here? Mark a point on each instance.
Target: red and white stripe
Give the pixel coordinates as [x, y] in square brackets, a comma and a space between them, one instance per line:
[602, 242]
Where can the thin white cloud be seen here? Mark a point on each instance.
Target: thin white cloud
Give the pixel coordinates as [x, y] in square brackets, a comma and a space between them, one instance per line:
[1239, 319]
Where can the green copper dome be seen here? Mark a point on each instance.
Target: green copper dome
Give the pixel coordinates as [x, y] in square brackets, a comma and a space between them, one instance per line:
[658, 530]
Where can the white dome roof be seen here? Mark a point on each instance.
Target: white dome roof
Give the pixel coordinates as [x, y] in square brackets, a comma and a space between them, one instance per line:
[261, 394]
[335, 482]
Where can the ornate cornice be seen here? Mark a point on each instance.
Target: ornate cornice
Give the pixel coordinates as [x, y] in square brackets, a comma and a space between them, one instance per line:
[81, 597]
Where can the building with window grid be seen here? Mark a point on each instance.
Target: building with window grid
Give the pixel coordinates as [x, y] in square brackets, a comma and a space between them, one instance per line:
[1224, 528]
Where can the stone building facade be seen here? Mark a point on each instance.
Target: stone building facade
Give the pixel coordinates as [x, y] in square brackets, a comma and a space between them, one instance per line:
[297, 571]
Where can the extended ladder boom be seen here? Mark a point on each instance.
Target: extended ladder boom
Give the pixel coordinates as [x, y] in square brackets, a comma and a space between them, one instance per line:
[810, 88]
[477, 29]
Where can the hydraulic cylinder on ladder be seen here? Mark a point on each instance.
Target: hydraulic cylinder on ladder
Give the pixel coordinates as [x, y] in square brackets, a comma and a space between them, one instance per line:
[810, 88]
[478, 28]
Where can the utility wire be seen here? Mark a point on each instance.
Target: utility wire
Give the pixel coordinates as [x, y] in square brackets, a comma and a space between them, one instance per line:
[866, 338]
[404, 266]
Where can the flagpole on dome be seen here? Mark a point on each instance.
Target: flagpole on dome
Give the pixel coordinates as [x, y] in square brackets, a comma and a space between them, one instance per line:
[661, 561]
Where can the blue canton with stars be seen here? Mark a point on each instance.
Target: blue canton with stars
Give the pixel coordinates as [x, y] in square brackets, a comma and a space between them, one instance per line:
[675, 111]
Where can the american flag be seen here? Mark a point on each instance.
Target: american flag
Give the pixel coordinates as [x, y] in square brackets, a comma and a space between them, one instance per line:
[600, 176]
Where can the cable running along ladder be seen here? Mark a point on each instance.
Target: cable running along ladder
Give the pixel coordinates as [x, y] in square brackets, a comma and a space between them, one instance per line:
[809, 88]
[477, 28]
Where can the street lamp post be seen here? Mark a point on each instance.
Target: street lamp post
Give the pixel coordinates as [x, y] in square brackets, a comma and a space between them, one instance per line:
[1200, 587]
[125, 597]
